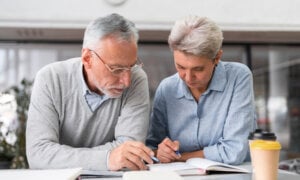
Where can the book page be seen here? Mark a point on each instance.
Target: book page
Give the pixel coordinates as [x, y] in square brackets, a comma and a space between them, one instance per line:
[180, 168]
[151, 175]
[173, 166]
[209, 165]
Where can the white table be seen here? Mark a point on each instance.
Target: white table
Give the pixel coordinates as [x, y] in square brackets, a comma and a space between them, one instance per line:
[282, 175]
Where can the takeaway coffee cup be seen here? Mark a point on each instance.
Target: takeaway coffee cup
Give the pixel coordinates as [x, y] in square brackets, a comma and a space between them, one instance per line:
[262, 135]
[264, 150]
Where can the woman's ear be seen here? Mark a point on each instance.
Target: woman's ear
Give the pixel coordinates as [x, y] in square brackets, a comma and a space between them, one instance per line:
[218, 57]
[86, 57]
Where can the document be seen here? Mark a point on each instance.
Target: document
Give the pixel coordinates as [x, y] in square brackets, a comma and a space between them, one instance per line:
[47, 174]
[101, 174]
[151, 175]
[197, 166]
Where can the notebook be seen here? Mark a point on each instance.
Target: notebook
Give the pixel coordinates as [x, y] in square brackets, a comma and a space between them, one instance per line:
[197, 166]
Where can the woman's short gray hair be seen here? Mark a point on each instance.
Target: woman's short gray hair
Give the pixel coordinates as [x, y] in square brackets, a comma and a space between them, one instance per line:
[196, 35]
[113, 25]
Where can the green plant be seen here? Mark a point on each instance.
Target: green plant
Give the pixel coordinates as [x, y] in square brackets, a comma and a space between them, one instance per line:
[17, 153]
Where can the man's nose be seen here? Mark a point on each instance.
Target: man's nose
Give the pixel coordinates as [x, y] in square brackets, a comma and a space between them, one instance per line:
[125, 78]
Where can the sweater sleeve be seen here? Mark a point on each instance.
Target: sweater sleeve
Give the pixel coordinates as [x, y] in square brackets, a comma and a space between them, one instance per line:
[133, 121]
[42, 135]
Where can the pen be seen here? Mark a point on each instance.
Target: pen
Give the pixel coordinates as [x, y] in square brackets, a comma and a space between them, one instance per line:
[156, 160]
[178, 153]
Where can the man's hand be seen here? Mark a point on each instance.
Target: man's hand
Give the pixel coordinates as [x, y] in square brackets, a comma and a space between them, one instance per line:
[131, 155]
[166, 151]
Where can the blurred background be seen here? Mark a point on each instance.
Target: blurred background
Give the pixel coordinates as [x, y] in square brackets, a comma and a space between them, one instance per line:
[263, 34]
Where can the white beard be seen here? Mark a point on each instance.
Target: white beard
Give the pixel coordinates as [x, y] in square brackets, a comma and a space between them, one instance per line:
[110, 94]
[107, 90]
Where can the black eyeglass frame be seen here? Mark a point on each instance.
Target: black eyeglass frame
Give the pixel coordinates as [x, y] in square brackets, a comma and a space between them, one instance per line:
[119, 70]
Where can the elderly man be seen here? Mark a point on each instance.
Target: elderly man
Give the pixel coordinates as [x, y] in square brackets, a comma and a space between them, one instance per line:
[93, 111]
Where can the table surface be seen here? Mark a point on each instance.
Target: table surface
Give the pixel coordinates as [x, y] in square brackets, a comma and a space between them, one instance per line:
[282, 175]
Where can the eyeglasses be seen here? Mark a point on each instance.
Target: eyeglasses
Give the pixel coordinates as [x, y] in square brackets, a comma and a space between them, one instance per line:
[119, 70]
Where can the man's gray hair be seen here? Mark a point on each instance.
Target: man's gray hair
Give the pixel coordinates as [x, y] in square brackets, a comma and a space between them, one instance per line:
[113, 25]
[196, 35]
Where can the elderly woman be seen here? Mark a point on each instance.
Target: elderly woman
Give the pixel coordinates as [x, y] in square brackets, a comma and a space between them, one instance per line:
[207, 108]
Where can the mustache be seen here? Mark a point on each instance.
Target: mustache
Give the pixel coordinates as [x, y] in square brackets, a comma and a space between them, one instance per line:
[117, 87]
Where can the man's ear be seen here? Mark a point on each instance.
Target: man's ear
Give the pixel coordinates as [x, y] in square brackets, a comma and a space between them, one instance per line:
[86, 58]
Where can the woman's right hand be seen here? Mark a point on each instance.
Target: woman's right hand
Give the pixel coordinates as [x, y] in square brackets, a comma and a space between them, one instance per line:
[166, 151]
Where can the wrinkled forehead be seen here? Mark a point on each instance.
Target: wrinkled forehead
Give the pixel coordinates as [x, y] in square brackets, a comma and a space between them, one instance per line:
[114, 51]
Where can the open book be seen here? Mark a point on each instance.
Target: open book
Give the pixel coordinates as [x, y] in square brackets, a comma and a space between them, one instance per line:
[193, 166]
[197, 166]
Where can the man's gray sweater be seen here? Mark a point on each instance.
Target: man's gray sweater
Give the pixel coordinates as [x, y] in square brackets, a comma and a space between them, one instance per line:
[62, 131]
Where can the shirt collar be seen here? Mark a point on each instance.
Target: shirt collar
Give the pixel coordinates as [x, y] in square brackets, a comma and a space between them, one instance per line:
[85, 88]
[183, 90]
[219, 78]
[218, 83]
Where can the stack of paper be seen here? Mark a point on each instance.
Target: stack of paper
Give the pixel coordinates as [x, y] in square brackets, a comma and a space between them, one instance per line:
[149, 175]
[49, 174]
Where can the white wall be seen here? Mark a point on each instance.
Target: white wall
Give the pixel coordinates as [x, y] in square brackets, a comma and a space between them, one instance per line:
[153, 14]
